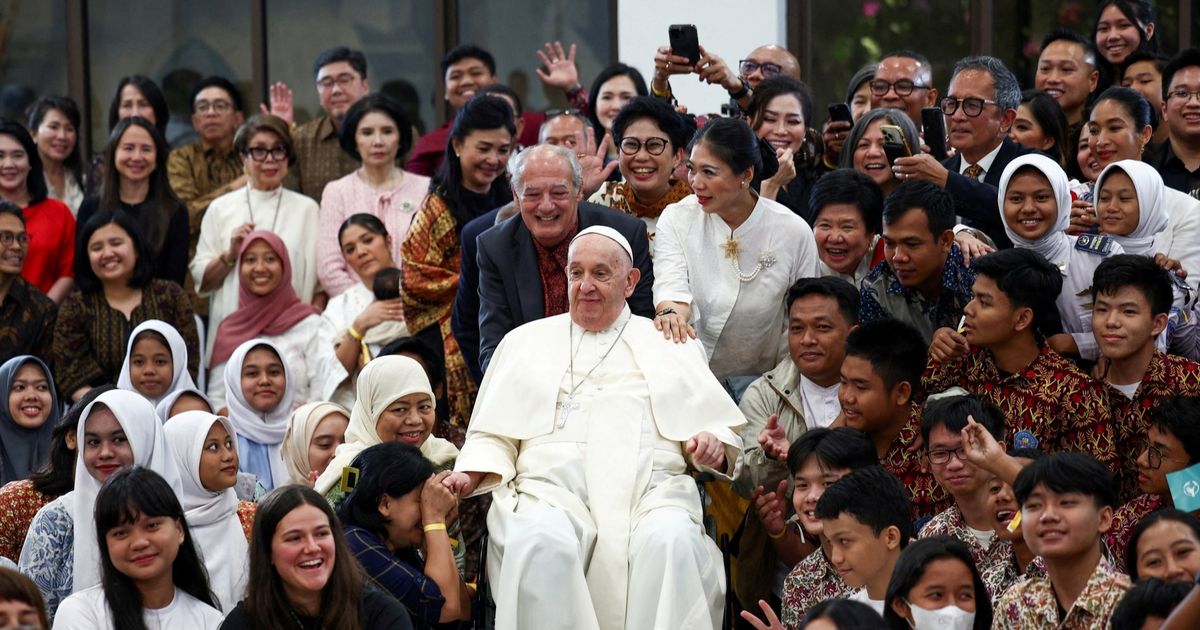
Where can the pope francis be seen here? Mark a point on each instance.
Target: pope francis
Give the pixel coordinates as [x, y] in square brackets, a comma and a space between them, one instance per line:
[583, 431]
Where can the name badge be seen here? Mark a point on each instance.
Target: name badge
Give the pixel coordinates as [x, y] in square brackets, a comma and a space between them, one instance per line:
[1098, 244]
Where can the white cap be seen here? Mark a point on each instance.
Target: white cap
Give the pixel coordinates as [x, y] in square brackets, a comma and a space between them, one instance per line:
[604, 230]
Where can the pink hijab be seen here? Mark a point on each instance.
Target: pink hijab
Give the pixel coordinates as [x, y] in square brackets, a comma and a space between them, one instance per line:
[261, 315]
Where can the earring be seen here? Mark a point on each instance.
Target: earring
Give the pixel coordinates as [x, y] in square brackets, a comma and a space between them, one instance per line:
[743, 183]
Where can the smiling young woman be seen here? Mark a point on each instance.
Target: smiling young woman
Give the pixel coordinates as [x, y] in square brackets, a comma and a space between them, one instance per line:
[28, 417]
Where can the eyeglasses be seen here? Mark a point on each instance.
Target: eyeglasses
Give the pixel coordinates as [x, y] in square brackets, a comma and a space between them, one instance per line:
[342, 80]
[1183, 95]
[221, 107]
[1155, 457]
[747, 68]
[940, 457]
[259, 154]
[654, 146]
[903, 87]
[971, 105]
[7, 237]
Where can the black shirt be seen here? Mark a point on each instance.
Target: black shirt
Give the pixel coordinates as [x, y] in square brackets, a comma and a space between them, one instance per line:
[1174, 173]
[171, 261]
[376, 611]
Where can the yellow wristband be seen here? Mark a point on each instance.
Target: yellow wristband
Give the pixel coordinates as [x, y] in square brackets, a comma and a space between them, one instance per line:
[354, 333]
[433, 527]
[779, 535]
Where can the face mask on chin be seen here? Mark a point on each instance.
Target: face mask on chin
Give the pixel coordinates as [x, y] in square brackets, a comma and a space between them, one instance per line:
[948, 618]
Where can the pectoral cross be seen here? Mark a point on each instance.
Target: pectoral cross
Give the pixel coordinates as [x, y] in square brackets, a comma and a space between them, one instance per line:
[565, 409]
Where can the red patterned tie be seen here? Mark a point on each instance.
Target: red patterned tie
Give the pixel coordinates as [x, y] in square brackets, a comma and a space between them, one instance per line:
[974, 171]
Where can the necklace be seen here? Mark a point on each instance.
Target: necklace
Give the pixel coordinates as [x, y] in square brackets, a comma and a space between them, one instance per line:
[571, 405]
[250, 207]
[733, 249]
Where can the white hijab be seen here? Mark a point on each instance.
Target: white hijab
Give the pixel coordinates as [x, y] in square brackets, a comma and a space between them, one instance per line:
[299, 436]
[380, 383]
[164, 406]
[145, 434]
[265, 428]
[180, 379]
[211, 516]
[1152, 214]
[1055, 245]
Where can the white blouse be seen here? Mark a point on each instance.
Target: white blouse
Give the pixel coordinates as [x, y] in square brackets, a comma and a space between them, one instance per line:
[690, 266]
[341, 311]
[290, 215]
[88, 610]
[1181, 239]
[312, 363]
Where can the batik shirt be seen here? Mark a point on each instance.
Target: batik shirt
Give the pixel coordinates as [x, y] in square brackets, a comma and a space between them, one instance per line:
[1167, 376]
[1125, 519]
[1049, 404]
[1001, 575]
[883, 297]
[951, 523]
[928, 498]
[1032, 604]
[19, 502]
[811, 582]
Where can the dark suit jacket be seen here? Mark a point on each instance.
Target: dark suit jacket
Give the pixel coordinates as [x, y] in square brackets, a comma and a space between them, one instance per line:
[975, 201]
[510, 288]
[464, 318]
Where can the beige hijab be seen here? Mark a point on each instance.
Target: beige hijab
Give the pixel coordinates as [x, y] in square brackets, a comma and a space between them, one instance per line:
[381, 383]
[301, 426]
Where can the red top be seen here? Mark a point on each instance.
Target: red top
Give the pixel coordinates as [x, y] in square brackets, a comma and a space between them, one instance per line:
[51, 230]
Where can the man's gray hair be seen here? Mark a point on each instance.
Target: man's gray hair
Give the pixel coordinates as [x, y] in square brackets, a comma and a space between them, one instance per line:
[517, 164]
[587, 126]
[1007, 93]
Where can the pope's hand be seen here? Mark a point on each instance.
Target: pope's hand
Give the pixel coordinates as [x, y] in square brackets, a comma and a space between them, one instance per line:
[707, 450]
[459, 483]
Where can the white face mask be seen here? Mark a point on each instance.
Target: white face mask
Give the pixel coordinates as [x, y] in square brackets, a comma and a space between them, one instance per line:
[948, 618]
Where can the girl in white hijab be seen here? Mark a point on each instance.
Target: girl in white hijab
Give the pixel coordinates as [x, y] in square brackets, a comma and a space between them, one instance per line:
[155, 362]
[1035, 206]
[1132, 222]
[394, 404]
[117, 430]
[181, 400]
[314, 432]
[258, 392]
[204, 448]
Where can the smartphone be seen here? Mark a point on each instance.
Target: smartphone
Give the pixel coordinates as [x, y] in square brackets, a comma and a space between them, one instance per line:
[933, 120]
[685, 42]
[894, 143]
[840, 112]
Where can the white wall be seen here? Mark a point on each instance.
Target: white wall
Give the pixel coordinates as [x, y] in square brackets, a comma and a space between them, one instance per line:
[727, 29]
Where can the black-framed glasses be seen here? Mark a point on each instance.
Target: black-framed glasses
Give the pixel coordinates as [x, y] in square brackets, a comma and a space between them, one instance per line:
[7, 237]
[903, 87]
[1155, 456]
[219, 106]
[941, 457]
[654, 146]
[259, 154]
[971, 106]
[747, 68]
[342, 80]
[1183, 94]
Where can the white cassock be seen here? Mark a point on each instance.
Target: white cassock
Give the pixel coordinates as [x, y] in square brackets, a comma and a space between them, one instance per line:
[595, 522]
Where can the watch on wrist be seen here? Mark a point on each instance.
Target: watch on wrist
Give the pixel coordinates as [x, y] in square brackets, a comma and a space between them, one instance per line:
[745, 89]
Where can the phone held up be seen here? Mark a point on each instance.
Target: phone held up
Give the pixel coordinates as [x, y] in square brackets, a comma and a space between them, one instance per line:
[933, 121]
[840, 112]
[684, 42]
[895, 145]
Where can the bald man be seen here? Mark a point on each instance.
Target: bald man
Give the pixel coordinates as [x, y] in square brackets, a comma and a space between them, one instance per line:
[584, 432]
[904, 81]
[763, 62]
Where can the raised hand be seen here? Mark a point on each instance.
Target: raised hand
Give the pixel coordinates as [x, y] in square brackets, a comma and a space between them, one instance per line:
[773, 439]
[560, 70]
[770, 620]
[591, 161]
[979, 445]
[281, 101]
[771, 508]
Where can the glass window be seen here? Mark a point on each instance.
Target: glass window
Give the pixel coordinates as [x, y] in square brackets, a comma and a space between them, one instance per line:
[397, 38]
[514, 30]
[34, 60]
[174, 43]
[843, 43]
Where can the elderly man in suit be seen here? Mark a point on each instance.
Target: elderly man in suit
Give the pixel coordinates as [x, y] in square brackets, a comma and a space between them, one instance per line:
[522, 260]
[980, 107]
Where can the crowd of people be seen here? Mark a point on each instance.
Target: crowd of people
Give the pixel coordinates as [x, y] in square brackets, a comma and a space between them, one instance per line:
[815, 375]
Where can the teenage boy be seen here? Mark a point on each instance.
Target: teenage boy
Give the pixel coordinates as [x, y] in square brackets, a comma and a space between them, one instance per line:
[881, 371]
[1066, 504]
[970, 519]
[1002, 356]
[922, 280]
[866, 517]
[1178, 159]
[1132, 297]
[819, 458]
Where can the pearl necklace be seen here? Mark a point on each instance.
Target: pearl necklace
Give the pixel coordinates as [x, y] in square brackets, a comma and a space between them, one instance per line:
[733, 248]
